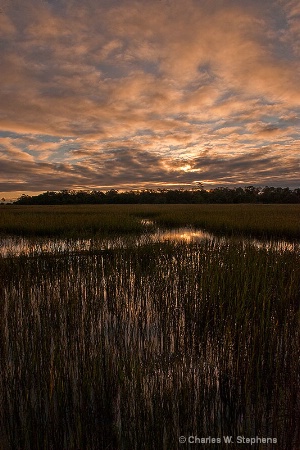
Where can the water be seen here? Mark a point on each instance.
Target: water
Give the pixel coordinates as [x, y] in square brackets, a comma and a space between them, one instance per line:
[16, 245]
[132, 349]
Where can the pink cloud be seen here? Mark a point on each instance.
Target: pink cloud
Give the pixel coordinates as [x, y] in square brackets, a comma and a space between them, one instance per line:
[169, 78]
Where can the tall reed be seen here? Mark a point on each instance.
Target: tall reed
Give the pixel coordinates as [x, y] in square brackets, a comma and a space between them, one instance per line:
[131, 348]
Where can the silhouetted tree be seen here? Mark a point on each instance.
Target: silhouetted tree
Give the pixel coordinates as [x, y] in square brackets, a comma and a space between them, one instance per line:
[249, 194]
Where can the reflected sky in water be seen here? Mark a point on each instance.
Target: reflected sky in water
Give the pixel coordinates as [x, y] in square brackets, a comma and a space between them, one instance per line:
[16, 246]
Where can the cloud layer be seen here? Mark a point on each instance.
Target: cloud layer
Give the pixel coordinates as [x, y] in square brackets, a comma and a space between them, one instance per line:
[132, 94]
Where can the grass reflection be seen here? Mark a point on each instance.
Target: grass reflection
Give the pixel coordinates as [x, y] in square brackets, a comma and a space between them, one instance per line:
[131, 347]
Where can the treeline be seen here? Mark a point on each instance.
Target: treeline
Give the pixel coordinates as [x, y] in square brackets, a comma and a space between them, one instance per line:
[249, 194]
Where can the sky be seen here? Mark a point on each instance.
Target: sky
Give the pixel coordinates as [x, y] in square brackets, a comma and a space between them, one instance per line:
[138, 94]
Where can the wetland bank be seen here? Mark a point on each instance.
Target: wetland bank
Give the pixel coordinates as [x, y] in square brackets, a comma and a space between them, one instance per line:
[130, 342]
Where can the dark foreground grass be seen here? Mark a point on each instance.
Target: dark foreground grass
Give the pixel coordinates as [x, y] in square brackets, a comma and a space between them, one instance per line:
[89, 220]
[132, 348]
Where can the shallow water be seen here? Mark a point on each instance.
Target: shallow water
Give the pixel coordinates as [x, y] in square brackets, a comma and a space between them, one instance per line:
[16, 246]
[106, 351]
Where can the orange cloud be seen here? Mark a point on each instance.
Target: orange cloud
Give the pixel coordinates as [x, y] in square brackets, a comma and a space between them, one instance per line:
[172, 79]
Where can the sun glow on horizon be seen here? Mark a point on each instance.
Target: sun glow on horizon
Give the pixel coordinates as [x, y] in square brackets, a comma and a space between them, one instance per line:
[137, 94]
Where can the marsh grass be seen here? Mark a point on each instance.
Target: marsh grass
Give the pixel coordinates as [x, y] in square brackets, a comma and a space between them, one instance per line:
[69, 221]
[91, 220]
[132, 348]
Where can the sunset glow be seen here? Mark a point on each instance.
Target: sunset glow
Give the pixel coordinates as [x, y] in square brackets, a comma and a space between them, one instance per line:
[131, 94]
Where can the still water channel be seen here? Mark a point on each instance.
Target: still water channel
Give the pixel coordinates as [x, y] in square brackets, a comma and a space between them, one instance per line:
[16, 245]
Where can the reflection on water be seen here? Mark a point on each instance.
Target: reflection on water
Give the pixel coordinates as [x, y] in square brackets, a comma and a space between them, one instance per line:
[16, 246]
[108, 351]
[182, 234]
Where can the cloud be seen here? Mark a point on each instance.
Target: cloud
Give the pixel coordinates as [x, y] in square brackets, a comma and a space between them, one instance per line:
[139, 89]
